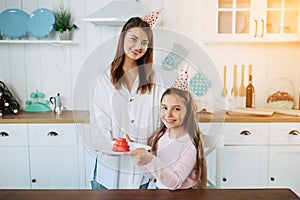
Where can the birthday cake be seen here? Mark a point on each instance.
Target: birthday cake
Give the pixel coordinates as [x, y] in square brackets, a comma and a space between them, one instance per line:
[121, 145]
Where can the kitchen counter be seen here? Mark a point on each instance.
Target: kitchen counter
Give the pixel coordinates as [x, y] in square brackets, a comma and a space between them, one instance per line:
[221, 116]
[207, 194]
[68, 116]
[82, 116]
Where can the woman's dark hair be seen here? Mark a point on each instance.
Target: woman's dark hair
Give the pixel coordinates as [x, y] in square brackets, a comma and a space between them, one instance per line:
[144, 63]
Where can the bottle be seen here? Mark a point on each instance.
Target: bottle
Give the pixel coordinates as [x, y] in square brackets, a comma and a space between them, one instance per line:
[1, 91]
[6, 98]
[2, 109]
[2, 88]
[250, 94]
[14, 107]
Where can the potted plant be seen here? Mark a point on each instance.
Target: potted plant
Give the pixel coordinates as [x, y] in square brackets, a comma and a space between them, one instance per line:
[64, 23]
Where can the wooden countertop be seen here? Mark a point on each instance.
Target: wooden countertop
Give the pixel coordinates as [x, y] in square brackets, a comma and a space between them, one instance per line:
[206, 194]
[221, 116]
[68, 116]
[82, 116]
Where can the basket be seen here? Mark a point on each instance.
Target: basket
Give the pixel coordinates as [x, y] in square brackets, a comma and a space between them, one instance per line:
[281, 94]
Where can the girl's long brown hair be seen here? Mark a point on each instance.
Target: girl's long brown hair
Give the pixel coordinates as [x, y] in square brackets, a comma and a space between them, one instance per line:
[189, 124]
[144, 63]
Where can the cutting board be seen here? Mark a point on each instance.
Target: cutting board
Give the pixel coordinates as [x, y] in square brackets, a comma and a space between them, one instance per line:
[251, 111]
[262, 111]
[288, 112]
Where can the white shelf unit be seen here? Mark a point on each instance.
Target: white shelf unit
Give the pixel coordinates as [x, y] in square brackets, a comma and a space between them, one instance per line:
[54, 42]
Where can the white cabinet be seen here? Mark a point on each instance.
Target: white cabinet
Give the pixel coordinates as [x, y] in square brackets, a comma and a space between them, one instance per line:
[252, 20]
[284, 162]
[41, 156]
[243, 167]
[53, 156]
[14, 158]
[244, 158]
[260, 155]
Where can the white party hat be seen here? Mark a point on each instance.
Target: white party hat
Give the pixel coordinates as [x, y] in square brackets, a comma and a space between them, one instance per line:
[152, 18]
[182, 82]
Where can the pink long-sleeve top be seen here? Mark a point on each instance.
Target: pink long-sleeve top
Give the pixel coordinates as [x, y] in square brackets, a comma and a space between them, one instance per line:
[173, 166]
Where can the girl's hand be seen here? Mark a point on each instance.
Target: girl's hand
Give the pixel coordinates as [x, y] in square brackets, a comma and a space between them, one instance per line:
[141, 156]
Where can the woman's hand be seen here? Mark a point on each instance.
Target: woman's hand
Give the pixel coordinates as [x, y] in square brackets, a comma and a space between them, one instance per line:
[128, 139]
[141, 156]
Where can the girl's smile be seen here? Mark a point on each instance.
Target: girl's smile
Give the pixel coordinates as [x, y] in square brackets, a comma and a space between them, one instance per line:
[172, 112]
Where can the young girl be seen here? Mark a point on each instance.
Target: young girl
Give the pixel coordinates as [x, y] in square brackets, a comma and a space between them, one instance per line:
[179, 160]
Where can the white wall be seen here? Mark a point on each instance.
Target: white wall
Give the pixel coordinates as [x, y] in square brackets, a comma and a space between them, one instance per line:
[51, 68]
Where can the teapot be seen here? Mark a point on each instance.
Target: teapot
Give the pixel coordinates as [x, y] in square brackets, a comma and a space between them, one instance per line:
[56, 101]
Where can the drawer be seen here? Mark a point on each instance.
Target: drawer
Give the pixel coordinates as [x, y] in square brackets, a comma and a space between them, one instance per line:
[52, 135]
[246, 133]
[285, 133]
[13, 135]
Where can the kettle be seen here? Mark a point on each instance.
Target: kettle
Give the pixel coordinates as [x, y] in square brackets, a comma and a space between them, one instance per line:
[56, 101]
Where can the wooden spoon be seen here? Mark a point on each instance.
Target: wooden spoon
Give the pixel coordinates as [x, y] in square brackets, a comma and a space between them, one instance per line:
[224, 91]
[234, 90]
[242, 90]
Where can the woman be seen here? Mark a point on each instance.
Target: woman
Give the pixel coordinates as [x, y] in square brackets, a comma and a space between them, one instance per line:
[126, 101]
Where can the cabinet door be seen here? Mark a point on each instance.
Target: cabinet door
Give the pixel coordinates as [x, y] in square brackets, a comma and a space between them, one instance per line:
[230, 20]
[284, 167]
[54, 168]
[281, 20]
[252, 20]
[213, 145]
[14, 167]
[53, 156]
[243, 167]
[14, 170]
[284, 156]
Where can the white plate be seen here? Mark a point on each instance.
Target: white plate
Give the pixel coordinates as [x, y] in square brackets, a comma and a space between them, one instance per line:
[106, 148]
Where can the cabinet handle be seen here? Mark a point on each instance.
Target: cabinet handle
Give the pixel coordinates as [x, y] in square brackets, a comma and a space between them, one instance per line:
[262, 28]
[52, 134]
[4, 134]
[33, 180]
[255, 33]
[272, 179]
[245, 132]
[224, 179]
[294, 132]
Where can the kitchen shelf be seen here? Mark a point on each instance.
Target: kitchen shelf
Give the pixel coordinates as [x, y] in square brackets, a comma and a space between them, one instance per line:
[54, 42]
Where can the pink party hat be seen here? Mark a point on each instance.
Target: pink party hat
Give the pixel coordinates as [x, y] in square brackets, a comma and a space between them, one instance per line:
[182, 82]
[152, 18]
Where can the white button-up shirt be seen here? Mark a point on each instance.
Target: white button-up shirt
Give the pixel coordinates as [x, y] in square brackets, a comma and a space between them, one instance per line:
[116, 113]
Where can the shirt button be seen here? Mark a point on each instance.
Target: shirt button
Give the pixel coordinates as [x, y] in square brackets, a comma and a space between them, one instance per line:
[131, 100]
[132, 121]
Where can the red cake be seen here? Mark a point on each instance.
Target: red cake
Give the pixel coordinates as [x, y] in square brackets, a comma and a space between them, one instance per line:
[121, 145]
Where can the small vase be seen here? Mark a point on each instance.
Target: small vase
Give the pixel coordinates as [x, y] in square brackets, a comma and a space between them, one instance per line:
[66, 35]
